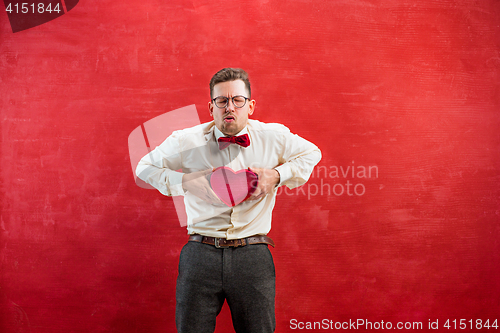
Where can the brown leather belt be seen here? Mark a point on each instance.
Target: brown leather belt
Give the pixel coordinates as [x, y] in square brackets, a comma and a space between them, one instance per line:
[222, 242]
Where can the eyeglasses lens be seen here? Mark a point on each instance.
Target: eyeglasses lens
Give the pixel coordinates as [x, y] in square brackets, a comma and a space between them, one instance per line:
[238, 101]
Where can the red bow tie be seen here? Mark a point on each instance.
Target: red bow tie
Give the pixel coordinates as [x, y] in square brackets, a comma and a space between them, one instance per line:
[242, 140]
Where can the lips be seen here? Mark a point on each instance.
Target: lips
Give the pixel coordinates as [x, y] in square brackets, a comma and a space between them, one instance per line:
[229, 118]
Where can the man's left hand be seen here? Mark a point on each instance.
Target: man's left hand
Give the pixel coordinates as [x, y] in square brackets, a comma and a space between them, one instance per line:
[268, 179]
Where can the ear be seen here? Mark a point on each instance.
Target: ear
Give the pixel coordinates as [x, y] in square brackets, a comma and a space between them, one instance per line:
[251, 107]
[211, 109]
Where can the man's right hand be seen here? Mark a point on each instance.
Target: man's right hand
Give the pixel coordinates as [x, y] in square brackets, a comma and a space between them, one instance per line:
[197, 183]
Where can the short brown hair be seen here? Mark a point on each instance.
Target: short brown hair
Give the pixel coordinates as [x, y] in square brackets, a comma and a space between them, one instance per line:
[230, 74]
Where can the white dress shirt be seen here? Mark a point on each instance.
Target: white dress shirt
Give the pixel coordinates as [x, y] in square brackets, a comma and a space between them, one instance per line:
[272, 146]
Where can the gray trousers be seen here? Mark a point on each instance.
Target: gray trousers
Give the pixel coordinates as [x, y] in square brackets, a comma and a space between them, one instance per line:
[243, 276]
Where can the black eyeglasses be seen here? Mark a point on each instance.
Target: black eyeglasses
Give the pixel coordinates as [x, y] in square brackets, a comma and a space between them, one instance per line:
[238, 101]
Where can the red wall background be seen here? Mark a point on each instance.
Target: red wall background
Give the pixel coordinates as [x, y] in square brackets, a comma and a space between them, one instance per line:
[409, 88]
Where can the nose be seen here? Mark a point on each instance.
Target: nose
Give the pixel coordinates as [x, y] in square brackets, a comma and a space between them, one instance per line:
[230, 105]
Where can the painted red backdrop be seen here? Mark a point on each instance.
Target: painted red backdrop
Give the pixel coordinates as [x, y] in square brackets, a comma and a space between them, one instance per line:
[405, 93]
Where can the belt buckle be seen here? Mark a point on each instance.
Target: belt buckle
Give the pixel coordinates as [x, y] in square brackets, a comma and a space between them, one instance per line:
[217, 245]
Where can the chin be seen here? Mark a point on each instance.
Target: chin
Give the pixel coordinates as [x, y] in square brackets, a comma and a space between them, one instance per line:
[226, 133]
[231, 130]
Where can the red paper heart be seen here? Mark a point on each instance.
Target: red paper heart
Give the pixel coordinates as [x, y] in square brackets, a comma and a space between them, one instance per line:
[233, 187]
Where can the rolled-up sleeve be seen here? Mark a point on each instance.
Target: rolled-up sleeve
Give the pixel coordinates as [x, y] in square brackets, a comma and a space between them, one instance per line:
[158, 168]
[299, 157]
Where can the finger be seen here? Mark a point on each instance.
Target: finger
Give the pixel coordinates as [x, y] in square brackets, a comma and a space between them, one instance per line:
[207, 172]
[195, 175]
[254, 170]
[217, 201]
[214, 199]
[255, 196]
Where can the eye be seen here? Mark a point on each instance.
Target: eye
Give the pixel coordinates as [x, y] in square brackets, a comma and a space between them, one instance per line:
[239, 101]
[221, 101]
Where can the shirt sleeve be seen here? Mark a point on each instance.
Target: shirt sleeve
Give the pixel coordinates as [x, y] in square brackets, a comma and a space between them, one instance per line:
[299, 157]
[158, 168]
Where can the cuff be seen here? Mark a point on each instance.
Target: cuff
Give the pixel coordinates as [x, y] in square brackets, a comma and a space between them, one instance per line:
[285, 173]
[175, 183]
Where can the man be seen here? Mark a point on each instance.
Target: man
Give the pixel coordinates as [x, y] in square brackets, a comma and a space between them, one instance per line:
[227, 255]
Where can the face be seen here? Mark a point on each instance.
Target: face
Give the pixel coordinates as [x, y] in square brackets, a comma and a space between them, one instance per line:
[231, 120]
